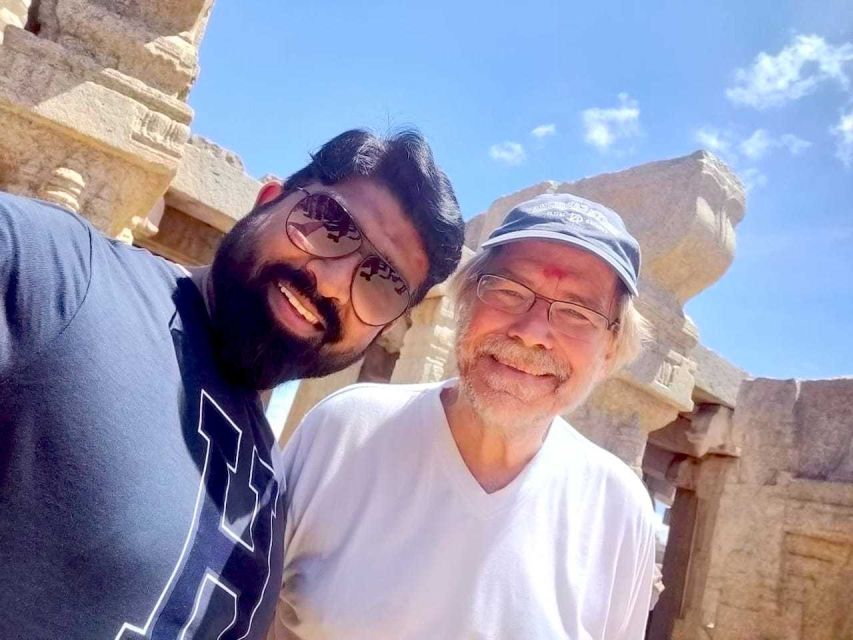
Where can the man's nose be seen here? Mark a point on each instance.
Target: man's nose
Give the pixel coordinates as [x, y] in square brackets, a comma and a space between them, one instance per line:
[334, 276]
[533, 328]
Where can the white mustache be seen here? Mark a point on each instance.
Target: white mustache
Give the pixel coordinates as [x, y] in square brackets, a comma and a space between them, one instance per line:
[534, 362]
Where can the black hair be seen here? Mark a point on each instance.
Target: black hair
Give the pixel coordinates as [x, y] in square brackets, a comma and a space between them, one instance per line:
[402, 163]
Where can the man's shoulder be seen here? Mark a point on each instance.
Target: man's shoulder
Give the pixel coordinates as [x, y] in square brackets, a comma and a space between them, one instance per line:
[605, 472]
[359, 412]
[374, 395]
[36, 217]
[36, 229]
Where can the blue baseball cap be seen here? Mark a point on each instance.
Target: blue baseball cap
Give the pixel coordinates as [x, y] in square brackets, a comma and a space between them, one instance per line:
[563, 217]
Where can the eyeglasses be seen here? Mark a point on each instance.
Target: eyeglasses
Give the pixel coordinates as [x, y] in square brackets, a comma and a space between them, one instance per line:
[320, 226]
[569, 318]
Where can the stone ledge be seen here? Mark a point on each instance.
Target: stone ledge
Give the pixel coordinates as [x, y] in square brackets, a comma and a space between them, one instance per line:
[211, 185]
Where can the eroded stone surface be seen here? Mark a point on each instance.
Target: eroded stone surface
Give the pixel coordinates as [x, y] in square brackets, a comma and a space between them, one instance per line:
[778, 561]
[14, 13]
[212, 185]
[92, 109]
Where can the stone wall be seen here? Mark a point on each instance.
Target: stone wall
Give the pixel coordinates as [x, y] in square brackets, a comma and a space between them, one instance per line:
[775, 559]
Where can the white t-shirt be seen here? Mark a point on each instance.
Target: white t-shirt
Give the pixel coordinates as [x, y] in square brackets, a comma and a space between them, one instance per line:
[390, 536]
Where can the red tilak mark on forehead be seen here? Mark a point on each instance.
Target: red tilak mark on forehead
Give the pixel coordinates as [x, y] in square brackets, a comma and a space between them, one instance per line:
[553, 272]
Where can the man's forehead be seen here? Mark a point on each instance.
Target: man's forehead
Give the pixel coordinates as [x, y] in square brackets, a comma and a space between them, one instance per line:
[542, 261]
[387, 225]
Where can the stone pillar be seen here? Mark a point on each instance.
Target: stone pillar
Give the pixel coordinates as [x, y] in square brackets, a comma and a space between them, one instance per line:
[776, 556]
[618, 416]
[427, 351]
[92, 109]
[311, 391]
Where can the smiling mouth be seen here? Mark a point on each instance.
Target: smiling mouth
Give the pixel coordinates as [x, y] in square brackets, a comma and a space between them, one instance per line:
[521, 369]
[304, 312]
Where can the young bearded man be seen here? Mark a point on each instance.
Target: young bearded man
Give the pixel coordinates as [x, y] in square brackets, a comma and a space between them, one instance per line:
[469, 508]
[138, 491]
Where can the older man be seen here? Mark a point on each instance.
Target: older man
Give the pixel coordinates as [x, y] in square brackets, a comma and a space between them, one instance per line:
[470, 509]
[138, 493]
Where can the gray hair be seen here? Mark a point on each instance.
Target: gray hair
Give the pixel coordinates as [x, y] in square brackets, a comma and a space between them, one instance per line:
[630, 331]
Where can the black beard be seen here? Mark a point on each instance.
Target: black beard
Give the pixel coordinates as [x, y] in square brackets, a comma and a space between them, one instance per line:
[253, 350]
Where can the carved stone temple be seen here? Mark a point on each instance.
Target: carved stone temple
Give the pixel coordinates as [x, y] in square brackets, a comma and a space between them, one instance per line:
[755, 476]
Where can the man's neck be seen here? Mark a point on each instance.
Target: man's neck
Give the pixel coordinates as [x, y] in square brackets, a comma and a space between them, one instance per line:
[201, 279]
[495, 455]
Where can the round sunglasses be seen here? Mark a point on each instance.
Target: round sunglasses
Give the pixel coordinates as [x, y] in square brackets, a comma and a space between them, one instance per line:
[322, 227]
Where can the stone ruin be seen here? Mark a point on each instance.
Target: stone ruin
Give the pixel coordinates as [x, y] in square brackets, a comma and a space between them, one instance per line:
[755, 476]
[94, 118]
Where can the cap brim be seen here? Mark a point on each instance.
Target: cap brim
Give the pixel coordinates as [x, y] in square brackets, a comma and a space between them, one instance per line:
[514, 236]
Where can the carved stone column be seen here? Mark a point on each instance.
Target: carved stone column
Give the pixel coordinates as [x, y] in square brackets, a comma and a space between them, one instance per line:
[104, 84]
[427, 351]
[618, 416]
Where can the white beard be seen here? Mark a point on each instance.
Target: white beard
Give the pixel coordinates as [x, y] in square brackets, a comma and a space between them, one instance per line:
[505, 403]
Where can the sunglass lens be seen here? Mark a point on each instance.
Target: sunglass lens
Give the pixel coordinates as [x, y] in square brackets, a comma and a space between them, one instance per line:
[319, 225]
[379, 293]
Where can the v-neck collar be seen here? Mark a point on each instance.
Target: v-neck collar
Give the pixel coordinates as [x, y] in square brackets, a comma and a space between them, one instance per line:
[480, 502]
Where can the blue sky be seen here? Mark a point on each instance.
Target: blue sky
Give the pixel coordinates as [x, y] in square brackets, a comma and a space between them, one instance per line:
[768, 86]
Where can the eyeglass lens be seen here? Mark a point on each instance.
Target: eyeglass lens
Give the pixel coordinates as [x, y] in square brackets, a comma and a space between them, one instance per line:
[320, 226]
[379, 294]
[569, 319]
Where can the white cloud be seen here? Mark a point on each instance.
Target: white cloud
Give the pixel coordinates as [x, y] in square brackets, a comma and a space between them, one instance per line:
[760, 142]
[733, 150]
[794, 144]
[720, 142]
[603, 127]
[844, 132]
[510, 153]
[752, 179]
[756, 145]
[544, 130]
[794, 72]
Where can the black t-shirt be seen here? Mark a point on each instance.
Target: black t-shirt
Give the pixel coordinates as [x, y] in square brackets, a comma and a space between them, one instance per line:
[138, 497]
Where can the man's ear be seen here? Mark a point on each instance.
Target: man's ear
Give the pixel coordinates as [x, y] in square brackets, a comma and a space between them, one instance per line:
[609, 353]
[269, 191]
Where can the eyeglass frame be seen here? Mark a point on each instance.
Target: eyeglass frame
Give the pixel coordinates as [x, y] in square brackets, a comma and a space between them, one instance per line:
[362, 238]
[611, 324]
